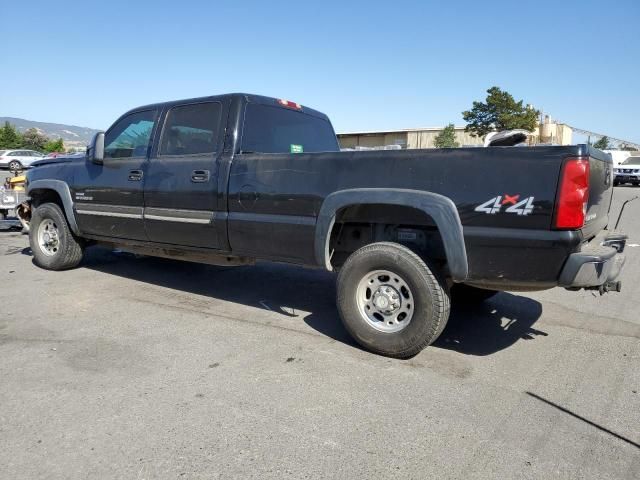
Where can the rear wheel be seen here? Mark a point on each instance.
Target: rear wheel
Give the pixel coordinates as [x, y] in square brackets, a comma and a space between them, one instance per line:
[635, 184]
[390, 301]
[15, 166]
[53, 244]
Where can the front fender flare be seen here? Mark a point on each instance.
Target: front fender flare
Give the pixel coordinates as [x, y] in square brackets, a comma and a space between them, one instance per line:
[62, 189]
[440, 208]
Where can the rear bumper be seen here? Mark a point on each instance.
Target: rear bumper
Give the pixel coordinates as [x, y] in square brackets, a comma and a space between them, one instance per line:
[597, 265]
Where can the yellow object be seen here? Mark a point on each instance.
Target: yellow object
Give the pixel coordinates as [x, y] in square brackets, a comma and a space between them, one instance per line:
[17, 183]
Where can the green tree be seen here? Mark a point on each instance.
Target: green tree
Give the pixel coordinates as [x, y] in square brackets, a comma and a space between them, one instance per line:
[10, 137]
[603, 143]
[34, 140]
[499, 112]
[54, 146]
[446, 138]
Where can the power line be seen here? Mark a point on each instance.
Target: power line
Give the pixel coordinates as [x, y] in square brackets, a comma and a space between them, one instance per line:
[595, 134]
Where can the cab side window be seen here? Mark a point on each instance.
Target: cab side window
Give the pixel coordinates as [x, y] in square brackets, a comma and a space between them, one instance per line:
[130, 136]
[191, 130]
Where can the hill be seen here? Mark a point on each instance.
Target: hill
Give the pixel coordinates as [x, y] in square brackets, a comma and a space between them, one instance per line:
[72, 135]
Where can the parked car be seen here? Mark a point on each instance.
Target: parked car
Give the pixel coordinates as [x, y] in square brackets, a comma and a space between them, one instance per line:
[18, 159]
[628, 172]
[233, 178]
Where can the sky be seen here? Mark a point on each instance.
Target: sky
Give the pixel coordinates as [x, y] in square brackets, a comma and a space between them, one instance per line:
[369, 65]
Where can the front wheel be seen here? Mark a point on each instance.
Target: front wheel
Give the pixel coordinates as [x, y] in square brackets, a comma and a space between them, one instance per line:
[390, 301]
[53, 244]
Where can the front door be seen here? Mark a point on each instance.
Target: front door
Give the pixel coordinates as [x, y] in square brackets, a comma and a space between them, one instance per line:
[181, 184]
[108, 198]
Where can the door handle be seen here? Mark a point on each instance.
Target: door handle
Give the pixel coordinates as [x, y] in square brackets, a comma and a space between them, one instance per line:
[135, 175]
[200, 176]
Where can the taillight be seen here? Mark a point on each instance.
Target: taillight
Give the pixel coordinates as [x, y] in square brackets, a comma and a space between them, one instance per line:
[573, 196]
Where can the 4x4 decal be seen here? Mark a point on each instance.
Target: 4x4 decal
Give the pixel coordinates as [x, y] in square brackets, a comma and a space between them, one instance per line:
[517, 206]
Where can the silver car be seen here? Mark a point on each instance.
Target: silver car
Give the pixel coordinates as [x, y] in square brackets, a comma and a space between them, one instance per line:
[627, 172]
[17, 159]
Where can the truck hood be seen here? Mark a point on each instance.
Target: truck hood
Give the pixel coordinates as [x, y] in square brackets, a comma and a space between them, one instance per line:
[50, 161]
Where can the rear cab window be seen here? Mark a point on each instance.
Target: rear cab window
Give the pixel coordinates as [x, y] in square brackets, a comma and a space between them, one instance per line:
[275, 129]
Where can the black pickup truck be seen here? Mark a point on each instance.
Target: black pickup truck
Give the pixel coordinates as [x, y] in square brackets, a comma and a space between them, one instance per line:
[233, 178]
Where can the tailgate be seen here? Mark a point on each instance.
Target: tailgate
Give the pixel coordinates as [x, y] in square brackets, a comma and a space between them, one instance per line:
[600, 192]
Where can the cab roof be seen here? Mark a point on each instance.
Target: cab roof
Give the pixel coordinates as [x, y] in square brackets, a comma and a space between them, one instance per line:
[246, 97]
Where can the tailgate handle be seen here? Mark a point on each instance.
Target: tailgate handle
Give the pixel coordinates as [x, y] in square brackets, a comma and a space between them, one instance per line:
[200, 176]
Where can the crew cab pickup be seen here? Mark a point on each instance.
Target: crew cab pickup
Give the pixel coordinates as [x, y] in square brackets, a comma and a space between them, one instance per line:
[235, 178]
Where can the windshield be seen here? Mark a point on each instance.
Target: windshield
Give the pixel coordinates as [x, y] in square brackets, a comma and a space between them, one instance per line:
[2, 152]
[631, 161]
[270, 129]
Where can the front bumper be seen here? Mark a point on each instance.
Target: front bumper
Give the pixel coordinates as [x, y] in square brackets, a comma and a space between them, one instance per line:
[626, 177]
[597, 265]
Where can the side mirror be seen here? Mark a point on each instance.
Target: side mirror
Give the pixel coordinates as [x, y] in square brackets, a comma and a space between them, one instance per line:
[95, 151]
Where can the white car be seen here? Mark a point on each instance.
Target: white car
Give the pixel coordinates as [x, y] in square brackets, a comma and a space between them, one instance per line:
[16, 160]
[627, 172]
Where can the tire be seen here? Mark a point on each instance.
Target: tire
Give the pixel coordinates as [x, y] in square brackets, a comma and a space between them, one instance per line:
[63, 250]
[635, 184]
[15, 166]
[467, 294]
[616, 183]
[406, 280]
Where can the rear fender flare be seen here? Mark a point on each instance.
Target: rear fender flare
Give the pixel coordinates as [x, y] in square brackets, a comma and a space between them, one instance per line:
[440, 208]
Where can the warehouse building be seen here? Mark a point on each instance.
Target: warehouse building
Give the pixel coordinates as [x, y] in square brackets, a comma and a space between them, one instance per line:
[549, 133]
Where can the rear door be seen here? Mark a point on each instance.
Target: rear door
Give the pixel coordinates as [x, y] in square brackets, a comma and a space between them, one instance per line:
[276, 181]
[32, 157]
[109, 197]
[181, 187]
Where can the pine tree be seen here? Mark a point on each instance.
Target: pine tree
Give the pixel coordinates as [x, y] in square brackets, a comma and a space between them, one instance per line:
[446, 138]
[603, 143]
[500, 112]
[10, 137]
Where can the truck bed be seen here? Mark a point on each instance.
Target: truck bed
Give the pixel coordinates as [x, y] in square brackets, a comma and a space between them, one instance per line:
[287, 192]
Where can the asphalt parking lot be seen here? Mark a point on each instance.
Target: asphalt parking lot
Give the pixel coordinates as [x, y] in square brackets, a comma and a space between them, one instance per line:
[135, 367]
